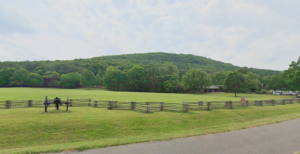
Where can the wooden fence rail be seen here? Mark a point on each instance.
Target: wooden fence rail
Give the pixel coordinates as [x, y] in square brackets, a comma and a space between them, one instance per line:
[149, 107]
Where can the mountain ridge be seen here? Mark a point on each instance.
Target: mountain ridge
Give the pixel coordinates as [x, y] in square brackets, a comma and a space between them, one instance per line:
[124, 62]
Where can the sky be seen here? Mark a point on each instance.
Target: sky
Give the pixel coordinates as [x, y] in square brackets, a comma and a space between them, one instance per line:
[253, 33]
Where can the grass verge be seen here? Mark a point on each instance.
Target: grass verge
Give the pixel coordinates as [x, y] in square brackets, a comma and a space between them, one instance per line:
[31, 130]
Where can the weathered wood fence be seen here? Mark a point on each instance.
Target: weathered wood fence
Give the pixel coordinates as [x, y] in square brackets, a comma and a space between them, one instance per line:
[149, 107]
[40, 103]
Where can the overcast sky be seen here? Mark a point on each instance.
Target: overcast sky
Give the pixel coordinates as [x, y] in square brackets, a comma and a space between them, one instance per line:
[253, 33]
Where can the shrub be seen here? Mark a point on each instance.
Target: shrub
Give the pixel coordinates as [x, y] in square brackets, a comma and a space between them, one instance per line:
[264, 91]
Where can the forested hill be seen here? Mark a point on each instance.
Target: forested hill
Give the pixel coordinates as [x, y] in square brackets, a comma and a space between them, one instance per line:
[182, 61]
[125, 62]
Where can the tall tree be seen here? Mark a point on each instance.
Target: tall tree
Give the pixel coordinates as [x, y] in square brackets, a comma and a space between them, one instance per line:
[20, 76]
[99, 78]
[293, 80]
[51, 78]
[114, 79]
[234, 82]
[168, 77]
[251, 81]
[169, 69]
[293, 76]
[267, 87]
[5, 75]
[136, 78]
[168, 82]
[70, 80]
[87, 79]
[196, 79]
[34, 79]
[278, 82]
[152, 78]
[218, 78]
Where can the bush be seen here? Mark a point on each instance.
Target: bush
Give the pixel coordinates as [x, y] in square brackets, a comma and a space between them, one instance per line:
[257, 92]
[264, 91]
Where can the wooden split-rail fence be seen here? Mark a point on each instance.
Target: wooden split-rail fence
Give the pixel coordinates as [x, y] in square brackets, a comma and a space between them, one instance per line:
[149, 107]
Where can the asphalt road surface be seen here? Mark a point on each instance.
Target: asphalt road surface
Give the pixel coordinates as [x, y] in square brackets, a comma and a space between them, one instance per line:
[280, 138]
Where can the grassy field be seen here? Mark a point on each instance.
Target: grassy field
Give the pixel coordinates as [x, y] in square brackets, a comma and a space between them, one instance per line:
[31, 130]
[96, 94]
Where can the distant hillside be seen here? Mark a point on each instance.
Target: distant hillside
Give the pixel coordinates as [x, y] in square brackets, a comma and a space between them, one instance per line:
[125, 62]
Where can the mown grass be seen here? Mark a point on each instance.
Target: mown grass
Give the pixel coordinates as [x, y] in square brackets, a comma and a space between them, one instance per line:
[31, 130]
[98, 94]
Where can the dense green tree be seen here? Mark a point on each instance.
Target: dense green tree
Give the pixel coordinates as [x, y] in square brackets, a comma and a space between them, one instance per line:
[278, 82]
[243, 70]
[293, 75]
[293, 80]
[88, 79]
[234, 82]
[168, 77]
[266, 80]
[5, 75]
[152, 78]
[168, 82]
[34, 79]
[169, 69]
[136, 78]
[218, 78]
[51, 78]
[99, 78]
[70, 80]
[114, 79]
[96, 67]
[196, 79]
[267, 87]
[252, 82]
[20, 76]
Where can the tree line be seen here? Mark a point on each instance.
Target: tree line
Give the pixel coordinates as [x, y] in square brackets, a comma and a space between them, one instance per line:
[148, 78]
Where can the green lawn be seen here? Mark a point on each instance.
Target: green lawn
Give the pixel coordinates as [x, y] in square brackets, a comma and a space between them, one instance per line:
[39, 94]
[31, 130]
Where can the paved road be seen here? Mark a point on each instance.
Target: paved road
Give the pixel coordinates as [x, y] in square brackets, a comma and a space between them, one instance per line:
[280, 138]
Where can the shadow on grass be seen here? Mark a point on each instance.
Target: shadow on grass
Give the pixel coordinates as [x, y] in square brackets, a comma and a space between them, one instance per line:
[54, 111]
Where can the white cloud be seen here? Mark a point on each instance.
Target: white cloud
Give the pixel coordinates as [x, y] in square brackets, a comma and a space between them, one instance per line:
[253, 33]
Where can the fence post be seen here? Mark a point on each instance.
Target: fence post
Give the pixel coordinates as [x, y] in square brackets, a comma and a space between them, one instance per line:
[208, 106]
[8, 104]
[185, 109]
[90, 100]
[133, 105]
[161, 106]
[110, 105]
[95, 104]
[71, 102]
[247, 103]
[29, 103]
[228, 104]
[261, 103]
[283, 102]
